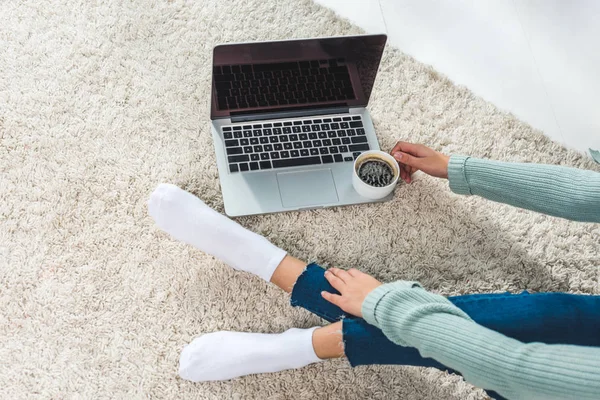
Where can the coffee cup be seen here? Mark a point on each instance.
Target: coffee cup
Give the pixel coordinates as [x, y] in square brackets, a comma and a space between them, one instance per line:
[375, 174]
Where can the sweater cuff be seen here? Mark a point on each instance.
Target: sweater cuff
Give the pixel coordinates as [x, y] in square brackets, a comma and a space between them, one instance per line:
[457, 175]
[369, 305]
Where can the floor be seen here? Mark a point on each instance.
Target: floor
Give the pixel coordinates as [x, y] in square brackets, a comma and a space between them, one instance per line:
[102, 101]
[534, 58]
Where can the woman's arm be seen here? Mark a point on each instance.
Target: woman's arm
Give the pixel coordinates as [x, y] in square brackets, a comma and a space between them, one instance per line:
[411, 316]
[550, 189]
[554, 190]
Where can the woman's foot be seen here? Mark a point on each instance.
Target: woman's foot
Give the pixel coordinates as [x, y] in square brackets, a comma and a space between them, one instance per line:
[226, 355]
[187, 218]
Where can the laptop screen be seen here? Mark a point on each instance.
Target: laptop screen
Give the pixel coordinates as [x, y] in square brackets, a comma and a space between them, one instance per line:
[251, 78]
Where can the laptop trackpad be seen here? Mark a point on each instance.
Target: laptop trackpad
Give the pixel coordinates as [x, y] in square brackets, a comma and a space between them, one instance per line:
[307, 188]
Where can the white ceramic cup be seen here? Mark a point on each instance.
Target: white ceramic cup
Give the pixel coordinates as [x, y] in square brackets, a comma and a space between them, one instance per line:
[366, 190]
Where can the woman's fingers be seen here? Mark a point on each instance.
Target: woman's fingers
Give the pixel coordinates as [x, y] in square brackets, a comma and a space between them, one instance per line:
[402, 173]
[406, 171]
[395, 148]
[404, 147]
[354, 272]
[332, 298]
[336, 282]
[340, 273]
[413, 149]
[408, 174]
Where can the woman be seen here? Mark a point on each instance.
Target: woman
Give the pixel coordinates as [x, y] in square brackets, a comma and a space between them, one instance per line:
[484, 337]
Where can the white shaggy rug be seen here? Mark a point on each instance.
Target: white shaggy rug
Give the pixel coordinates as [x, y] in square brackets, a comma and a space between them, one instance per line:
[102, 100]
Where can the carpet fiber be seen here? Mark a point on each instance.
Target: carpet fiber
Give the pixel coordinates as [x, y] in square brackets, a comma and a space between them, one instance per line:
[102, 100]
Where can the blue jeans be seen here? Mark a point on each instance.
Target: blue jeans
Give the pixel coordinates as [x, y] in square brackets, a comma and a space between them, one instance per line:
[542, 317]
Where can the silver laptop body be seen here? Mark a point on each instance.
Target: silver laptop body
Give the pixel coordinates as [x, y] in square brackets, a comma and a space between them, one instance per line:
[288, 120]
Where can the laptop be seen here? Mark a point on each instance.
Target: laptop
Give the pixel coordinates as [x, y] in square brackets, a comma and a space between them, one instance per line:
[288, 120]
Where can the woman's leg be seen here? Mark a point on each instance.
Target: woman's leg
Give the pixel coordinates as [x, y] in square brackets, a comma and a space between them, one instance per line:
[187, 218]
[553, 318]
[287, 272]
[225, 355]
[543, 317]
[328, 341]
[349, 336]
[363, 344]
[546, 317]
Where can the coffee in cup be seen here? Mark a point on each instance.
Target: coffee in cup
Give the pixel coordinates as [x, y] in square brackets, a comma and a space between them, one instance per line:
[375, 174]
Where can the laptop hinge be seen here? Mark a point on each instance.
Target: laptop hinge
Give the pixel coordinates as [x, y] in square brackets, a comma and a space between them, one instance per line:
[289, 114]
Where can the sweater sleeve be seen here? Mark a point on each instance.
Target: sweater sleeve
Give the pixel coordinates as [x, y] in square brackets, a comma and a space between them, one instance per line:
[410, 316]
[550, 189]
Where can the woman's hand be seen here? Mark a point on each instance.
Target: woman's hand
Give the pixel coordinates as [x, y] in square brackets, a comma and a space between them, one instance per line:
[354, 287]
[414, 157]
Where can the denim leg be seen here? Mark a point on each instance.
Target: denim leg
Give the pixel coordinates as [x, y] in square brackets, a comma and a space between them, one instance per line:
[364, 344]
[307, 294]
[552, 318]
[544, 317]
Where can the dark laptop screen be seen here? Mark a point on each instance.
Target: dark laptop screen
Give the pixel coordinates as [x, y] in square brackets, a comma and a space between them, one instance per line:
[294, 74]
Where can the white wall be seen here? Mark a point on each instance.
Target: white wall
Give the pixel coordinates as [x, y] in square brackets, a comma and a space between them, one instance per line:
[539, 59]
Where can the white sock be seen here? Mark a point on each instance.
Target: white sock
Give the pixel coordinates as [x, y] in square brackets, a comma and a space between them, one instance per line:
[225, 355]
[187, 218]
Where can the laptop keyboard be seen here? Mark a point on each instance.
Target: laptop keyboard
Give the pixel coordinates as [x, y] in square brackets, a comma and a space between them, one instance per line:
[280, 84]
[263, 146]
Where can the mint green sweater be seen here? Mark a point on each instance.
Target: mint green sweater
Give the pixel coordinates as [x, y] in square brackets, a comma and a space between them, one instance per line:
[410, 316]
